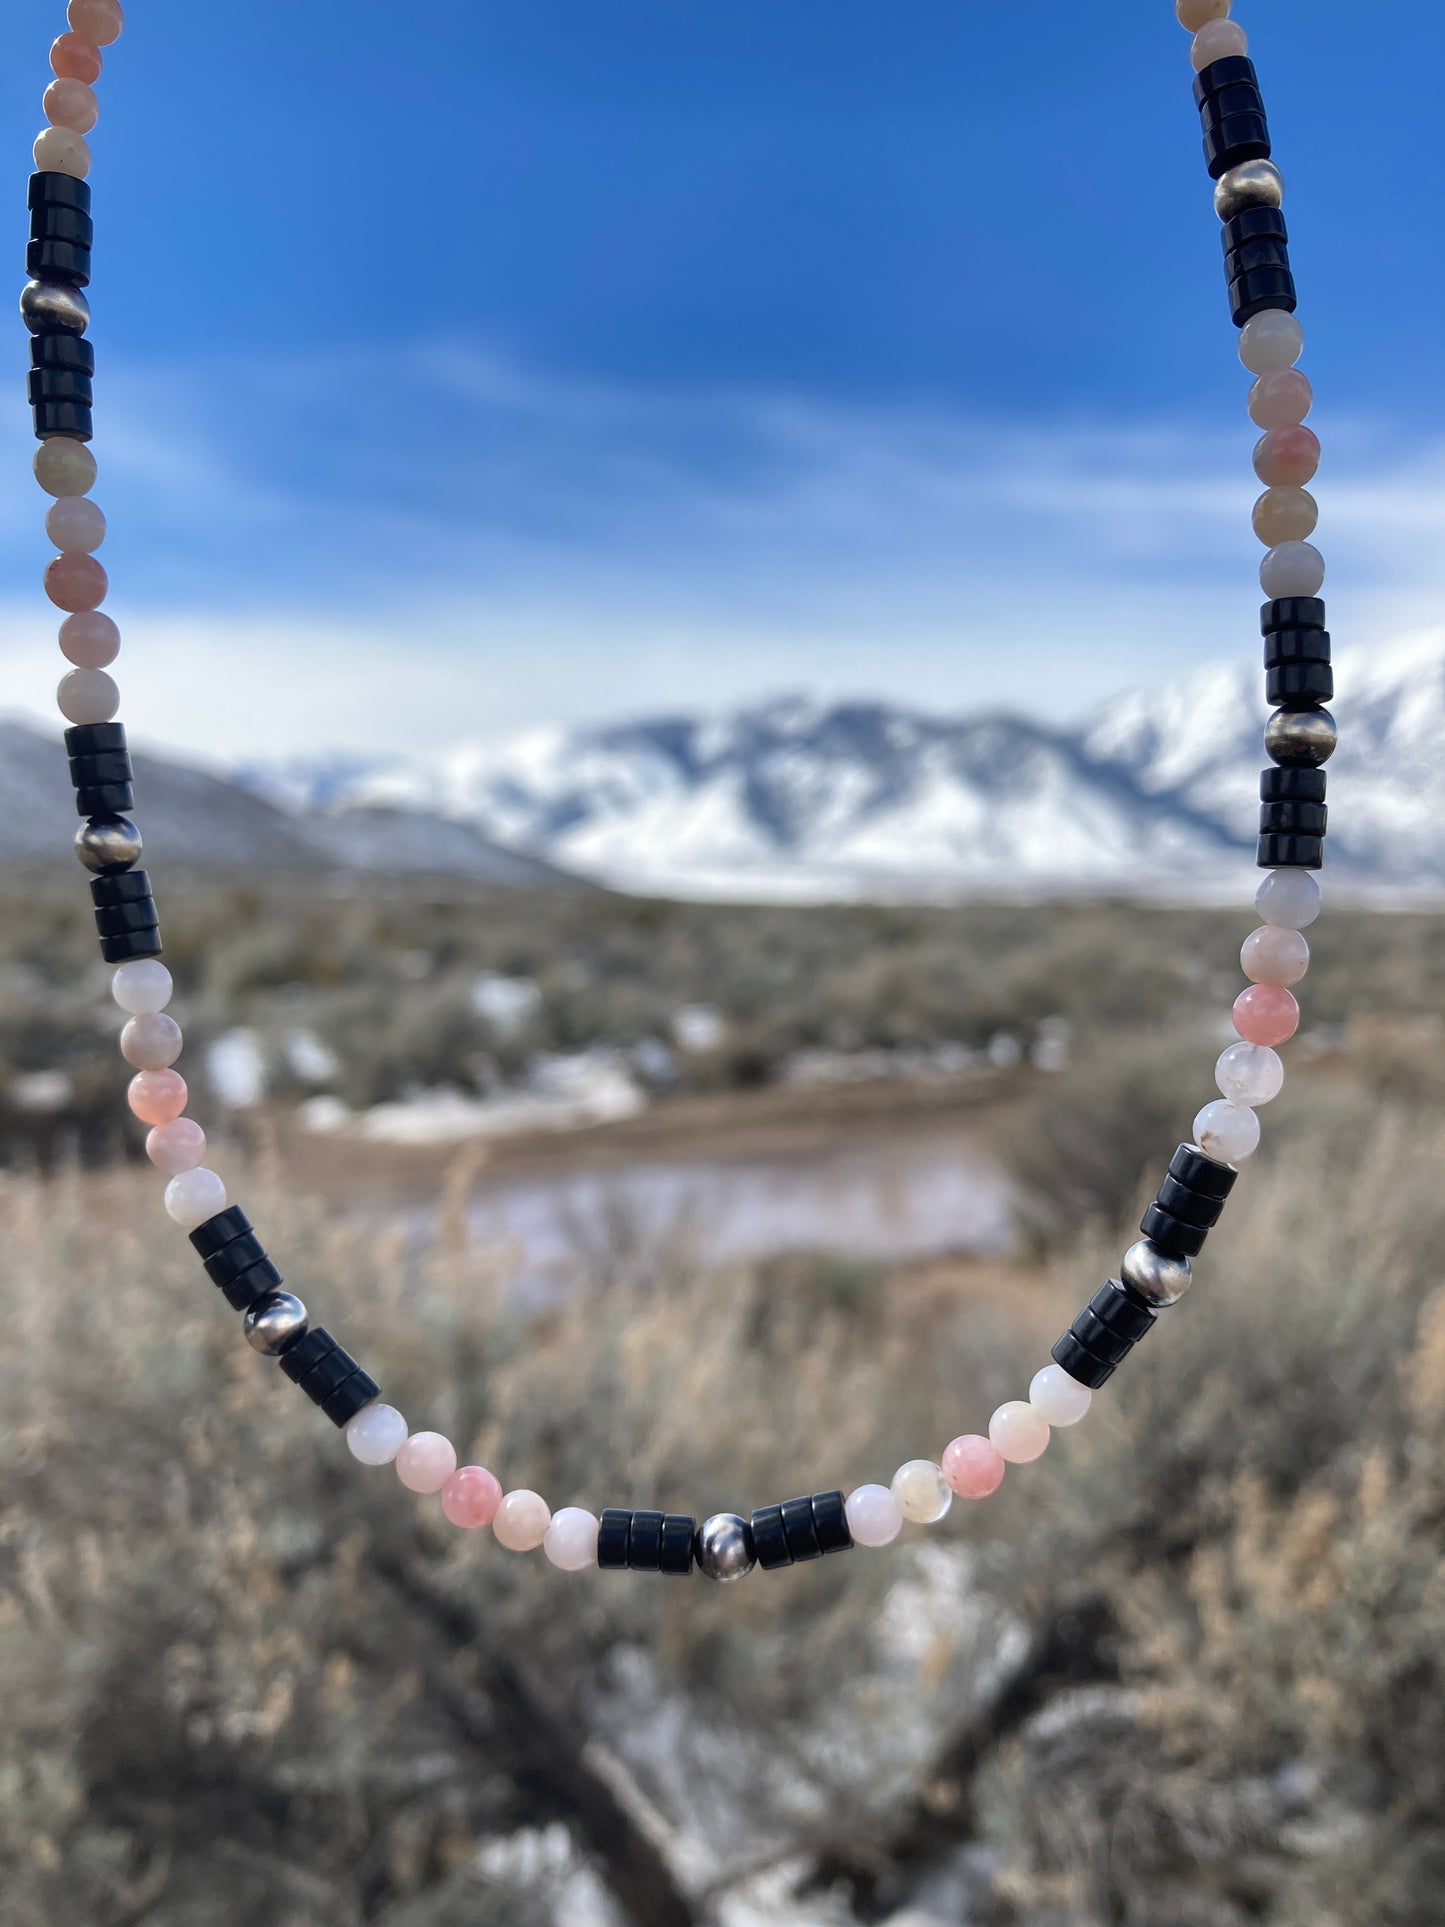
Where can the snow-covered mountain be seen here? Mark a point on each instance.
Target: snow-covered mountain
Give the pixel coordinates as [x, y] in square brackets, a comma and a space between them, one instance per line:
[799, 799]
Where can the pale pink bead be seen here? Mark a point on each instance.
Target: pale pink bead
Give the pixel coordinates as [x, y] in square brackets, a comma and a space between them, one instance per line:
[157, 1096]
[151, 1041]
[376, 1434]
[1273, 339]
[194, 1196]
[1057, 1398]
[1017, 1432]
[1285, 515]
[471, 1496]
[522, 1521]
[426, 1462]
[90, 639]
[1194, 14]
[873, 1515]
[1274, 954]
[75, 59]
[571, 1540]
[1266, 1014]
[973, 1467]
[1217, 40]
[1292, 569]
[87, 696]
[98, 21]
[1227, 1132]
[1288, 455]
[60, 150]
[75, 582]
[74, 522]
[1280, 399]
[70, 103]
[177, 1146]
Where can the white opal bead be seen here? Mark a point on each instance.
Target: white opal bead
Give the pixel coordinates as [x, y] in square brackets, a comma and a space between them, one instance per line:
[60, 150]
[425, 1461]
[193, 1196]
[376, 1434]
[64, 467]
[87, 696]
[1057, 1398]
[1194, 14]
[1217, 40]
[873, 1514]
[142, 986]
[522, 1522]
[1292, 568]
[922, 1492]
[75, 524]
[1249, 1074]
[1274, 954]
[1018, 1432]
[1271, 340]
[1290, 898]
[1227, 1132]
[571, 1539]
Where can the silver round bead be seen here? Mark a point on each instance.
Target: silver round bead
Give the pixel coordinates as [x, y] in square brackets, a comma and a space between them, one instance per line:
[274, 1323]
[1301, 737]
[1155, 1275]
[1251, 184]
[724, 1547]
[108, 844]
[46, 306]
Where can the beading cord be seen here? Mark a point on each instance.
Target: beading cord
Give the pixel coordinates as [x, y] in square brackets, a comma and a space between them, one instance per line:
[1155, 1272]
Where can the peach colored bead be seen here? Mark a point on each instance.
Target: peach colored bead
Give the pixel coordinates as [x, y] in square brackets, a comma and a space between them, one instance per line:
[973, 1467]
[1280, 399]
[74, 522]
[70, 103]
[522, 1521]
[1289, 455]
[471, 1496]
[157, 1096]
[75, 582]
[64, 467]
[99, 21]
[426, 1462]
[151, 1041]
[1266, 1014]
[75, 59]
[1274, 955]
[1194, 14]
[89, 639]
[1285, 515]
[1017, 1432]
[176, 1146]
[60, 150]
[1217, 40]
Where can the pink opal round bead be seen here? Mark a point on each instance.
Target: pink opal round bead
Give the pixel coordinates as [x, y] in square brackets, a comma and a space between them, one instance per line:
[193, 1196]
[1280, 399]
[87, 696]
[873, 1515]
[90, 640]
[156, 1097]
[75, 582]
[151, 1041]
[1266, 1014]
[522, 1521]
[1273, 339]
[75, 59]
[1274, 954]
[1018, 1433]
[1057, 1398]
[70, 103]
[426, 1462]
[1217, 40]
[1288, 456]
[177, 1146]
[74, 522]
[99, 21]
[571, 1540]
[471, 1496]
[973, 1466]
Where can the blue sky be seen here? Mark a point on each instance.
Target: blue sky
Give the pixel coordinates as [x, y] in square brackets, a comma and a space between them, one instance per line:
[473, 367]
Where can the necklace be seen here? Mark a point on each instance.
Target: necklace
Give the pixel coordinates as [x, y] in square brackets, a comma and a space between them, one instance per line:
[1154, 1274]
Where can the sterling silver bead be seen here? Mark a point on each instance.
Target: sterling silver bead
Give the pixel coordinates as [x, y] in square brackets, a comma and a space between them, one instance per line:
[1251, 184]
[107, 844]
[1154, 1274]
[274, 1323]
[724, 1547]
[46, 306]
[1301, 737]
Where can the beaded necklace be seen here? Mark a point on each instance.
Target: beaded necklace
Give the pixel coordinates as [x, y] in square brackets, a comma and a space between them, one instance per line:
[1154, 1273]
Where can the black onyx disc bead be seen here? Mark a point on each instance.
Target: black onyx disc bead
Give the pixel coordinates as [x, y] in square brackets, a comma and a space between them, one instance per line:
[241, 1291]
[1190, 1207]
[351, 1397]
[612, 1536]
[675, 1553]
[94, 739]
[1104, 1341]
[1292, 612]
[1080, 1363]
[1207, 1175]
[127, 945]
[1284, 646]
[1285, 852]
[107, 766]
[830, 1523]
[53, 260]
[1292, 786]
[1299, 685]
[1254, 224]
[70, 419]
[1293, 819]
[52, 222]
[140, 914]
[1234, 70]
[770, 1539]
[218, 1232]
[49, 189]
[127, 886]
[644, 1542]
[105, 799]
[72, 353]
[1171, 1234]
[58, 384]
[1232, 139]
[799, 1530]
[1258, 289]
[1119, 1310]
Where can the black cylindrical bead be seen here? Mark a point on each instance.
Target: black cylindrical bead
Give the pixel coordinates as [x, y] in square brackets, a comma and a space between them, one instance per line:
[69, 419]
[223, 1229]
[307, 1353]
[326, 1375]
[51, 222]
[109, 766]
[1119, 1310]
[770, 1541]
[1292, 612]
[612, 1536]
[1261, 288]
[1282, 851]
[1104, 1342]
[830, 1522]
[49, 189]
[644, 1542]
[1283, 785]
[65, 261]
[1249, 255]
[1171, 1234]
[105, 799]
[359, 1391]
[1190, 1207]
[1299, 685]
[676, 1553]
[798, 1529]
[63, 351]
[256, 1281]
[1240, 97]
[126, 886]
[1234, 70]
[236, 1257]
[1233, 140]
[1293, 819]
[120, 917]
[1205, 1175]
[1080, 1363]
[58, 384]
[1253, 224]
[94, 739]
[1296, 645]
[127, 945]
